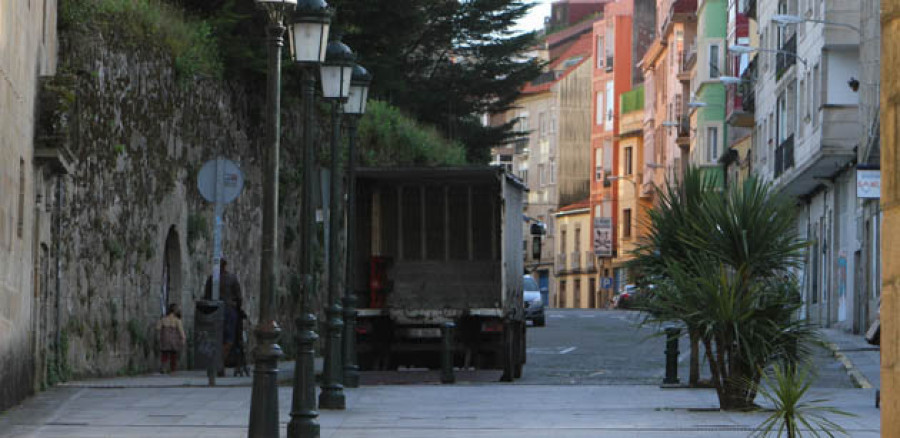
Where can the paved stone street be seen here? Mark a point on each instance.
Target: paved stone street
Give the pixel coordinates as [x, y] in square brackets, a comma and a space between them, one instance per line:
[609, 347]
[616, 369]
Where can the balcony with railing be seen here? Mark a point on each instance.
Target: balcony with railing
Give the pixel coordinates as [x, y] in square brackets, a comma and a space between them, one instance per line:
[747, 89]
[748, 7]
[575, 261]
[784, 156]
[561, 267]
[689, 58]
[739, 102]
[679, 12]
[787, 57]
[684, 130]
[590, 264]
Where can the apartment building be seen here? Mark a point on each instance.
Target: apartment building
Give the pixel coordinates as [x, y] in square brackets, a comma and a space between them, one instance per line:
[633, 198]
[807, 138]
[575, 263]
[554, 111]
[667, 84]
[620, 39]
[706, 106]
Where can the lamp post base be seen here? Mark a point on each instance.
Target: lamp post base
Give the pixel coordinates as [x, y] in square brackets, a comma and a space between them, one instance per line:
[351, 370]
[304, 416]
[333, 398]
[332, 395]
[264, 398]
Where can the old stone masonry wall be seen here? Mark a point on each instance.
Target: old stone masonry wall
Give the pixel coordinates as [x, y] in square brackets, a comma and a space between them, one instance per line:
[135, 232]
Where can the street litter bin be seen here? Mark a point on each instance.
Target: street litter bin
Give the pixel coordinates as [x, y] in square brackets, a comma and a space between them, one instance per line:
[209, 320]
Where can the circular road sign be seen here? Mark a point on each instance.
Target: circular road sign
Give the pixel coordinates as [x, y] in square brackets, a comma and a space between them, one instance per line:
[220, 176]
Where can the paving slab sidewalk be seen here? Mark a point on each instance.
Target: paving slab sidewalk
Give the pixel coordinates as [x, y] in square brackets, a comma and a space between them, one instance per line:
[401, 411]
[861, 360]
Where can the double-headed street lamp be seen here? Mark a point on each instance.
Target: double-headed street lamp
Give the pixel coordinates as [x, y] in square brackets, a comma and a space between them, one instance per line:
[309, 33]
[264, 401]
[355, 107]
[336, 75]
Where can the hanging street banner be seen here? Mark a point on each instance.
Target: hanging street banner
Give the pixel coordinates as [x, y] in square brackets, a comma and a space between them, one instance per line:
[603, 235]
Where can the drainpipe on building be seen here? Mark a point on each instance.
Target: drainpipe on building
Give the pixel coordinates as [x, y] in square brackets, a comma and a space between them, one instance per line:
[57, 251]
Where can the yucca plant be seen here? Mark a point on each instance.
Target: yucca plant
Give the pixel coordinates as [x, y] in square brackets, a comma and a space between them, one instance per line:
[786, 387]
[723, 263]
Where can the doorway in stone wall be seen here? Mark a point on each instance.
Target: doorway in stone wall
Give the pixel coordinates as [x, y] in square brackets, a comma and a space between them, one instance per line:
[171, 272]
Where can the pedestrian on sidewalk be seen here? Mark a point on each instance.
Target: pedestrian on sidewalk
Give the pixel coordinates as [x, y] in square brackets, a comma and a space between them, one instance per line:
[171, 338]
[230, 294]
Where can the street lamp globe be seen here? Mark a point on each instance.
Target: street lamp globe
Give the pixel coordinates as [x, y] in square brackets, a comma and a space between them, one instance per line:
[741, 49]
[730, 80]
[787, 19]
[309, 31]
[359, 91]
[337, 71]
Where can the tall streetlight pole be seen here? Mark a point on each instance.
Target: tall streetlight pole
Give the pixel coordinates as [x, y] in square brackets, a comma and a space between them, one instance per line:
[355, 108]
[336, 74]
[309, 36]
[264, 401]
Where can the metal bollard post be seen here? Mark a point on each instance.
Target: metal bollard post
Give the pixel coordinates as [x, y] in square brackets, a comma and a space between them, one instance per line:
[447, 353]
[672, 334]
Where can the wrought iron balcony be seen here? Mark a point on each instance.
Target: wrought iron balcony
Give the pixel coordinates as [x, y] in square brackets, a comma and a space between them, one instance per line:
[589, 262]
[575, 262]
[561, 263]
[748, 95]
[784, 156]
[787, 56]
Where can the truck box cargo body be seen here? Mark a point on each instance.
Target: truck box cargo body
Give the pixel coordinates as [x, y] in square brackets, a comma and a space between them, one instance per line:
[437, 245]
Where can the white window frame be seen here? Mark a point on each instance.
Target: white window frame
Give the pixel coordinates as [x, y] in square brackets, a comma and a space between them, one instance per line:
[610, 106]
[713, 59]
[628, 161]
[600, 105]
[601, 55]
[712, 144]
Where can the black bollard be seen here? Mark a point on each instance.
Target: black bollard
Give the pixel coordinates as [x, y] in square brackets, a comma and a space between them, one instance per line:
[672, 334]
[447, 353]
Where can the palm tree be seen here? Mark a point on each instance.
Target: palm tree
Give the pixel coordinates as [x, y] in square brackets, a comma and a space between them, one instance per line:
[724, 264]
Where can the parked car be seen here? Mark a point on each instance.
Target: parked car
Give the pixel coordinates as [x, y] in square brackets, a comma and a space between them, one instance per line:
[534, 305]
[626, 298]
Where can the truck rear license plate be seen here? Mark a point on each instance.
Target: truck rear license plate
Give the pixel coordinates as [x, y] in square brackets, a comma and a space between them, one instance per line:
[430, 332]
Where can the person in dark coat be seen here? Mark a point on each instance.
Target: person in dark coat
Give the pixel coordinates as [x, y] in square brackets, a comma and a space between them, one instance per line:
[230, 294]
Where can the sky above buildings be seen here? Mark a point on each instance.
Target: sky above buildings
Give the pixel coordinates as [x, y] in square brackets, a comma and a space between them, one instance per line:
[535, 18]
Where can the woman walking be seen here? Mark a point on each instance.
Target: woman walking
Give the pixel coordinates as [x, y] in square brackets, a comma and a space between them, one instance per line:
[171, 338]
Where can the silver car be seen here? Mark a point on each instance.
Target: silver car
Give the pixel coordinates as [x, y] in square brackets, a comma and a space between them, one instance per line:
[534, 305]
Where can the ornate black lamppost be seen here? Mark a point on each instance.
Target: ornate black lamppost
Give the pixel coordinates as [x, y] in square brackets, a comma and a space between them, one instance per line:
[336, 74]
[355, 107]
[264, 401]
[309, 36]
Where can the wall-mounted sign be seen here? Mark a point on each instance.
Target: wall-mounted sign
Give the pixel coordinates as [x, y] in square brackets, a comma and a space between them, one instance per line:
[603, 236]
[868, 183]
